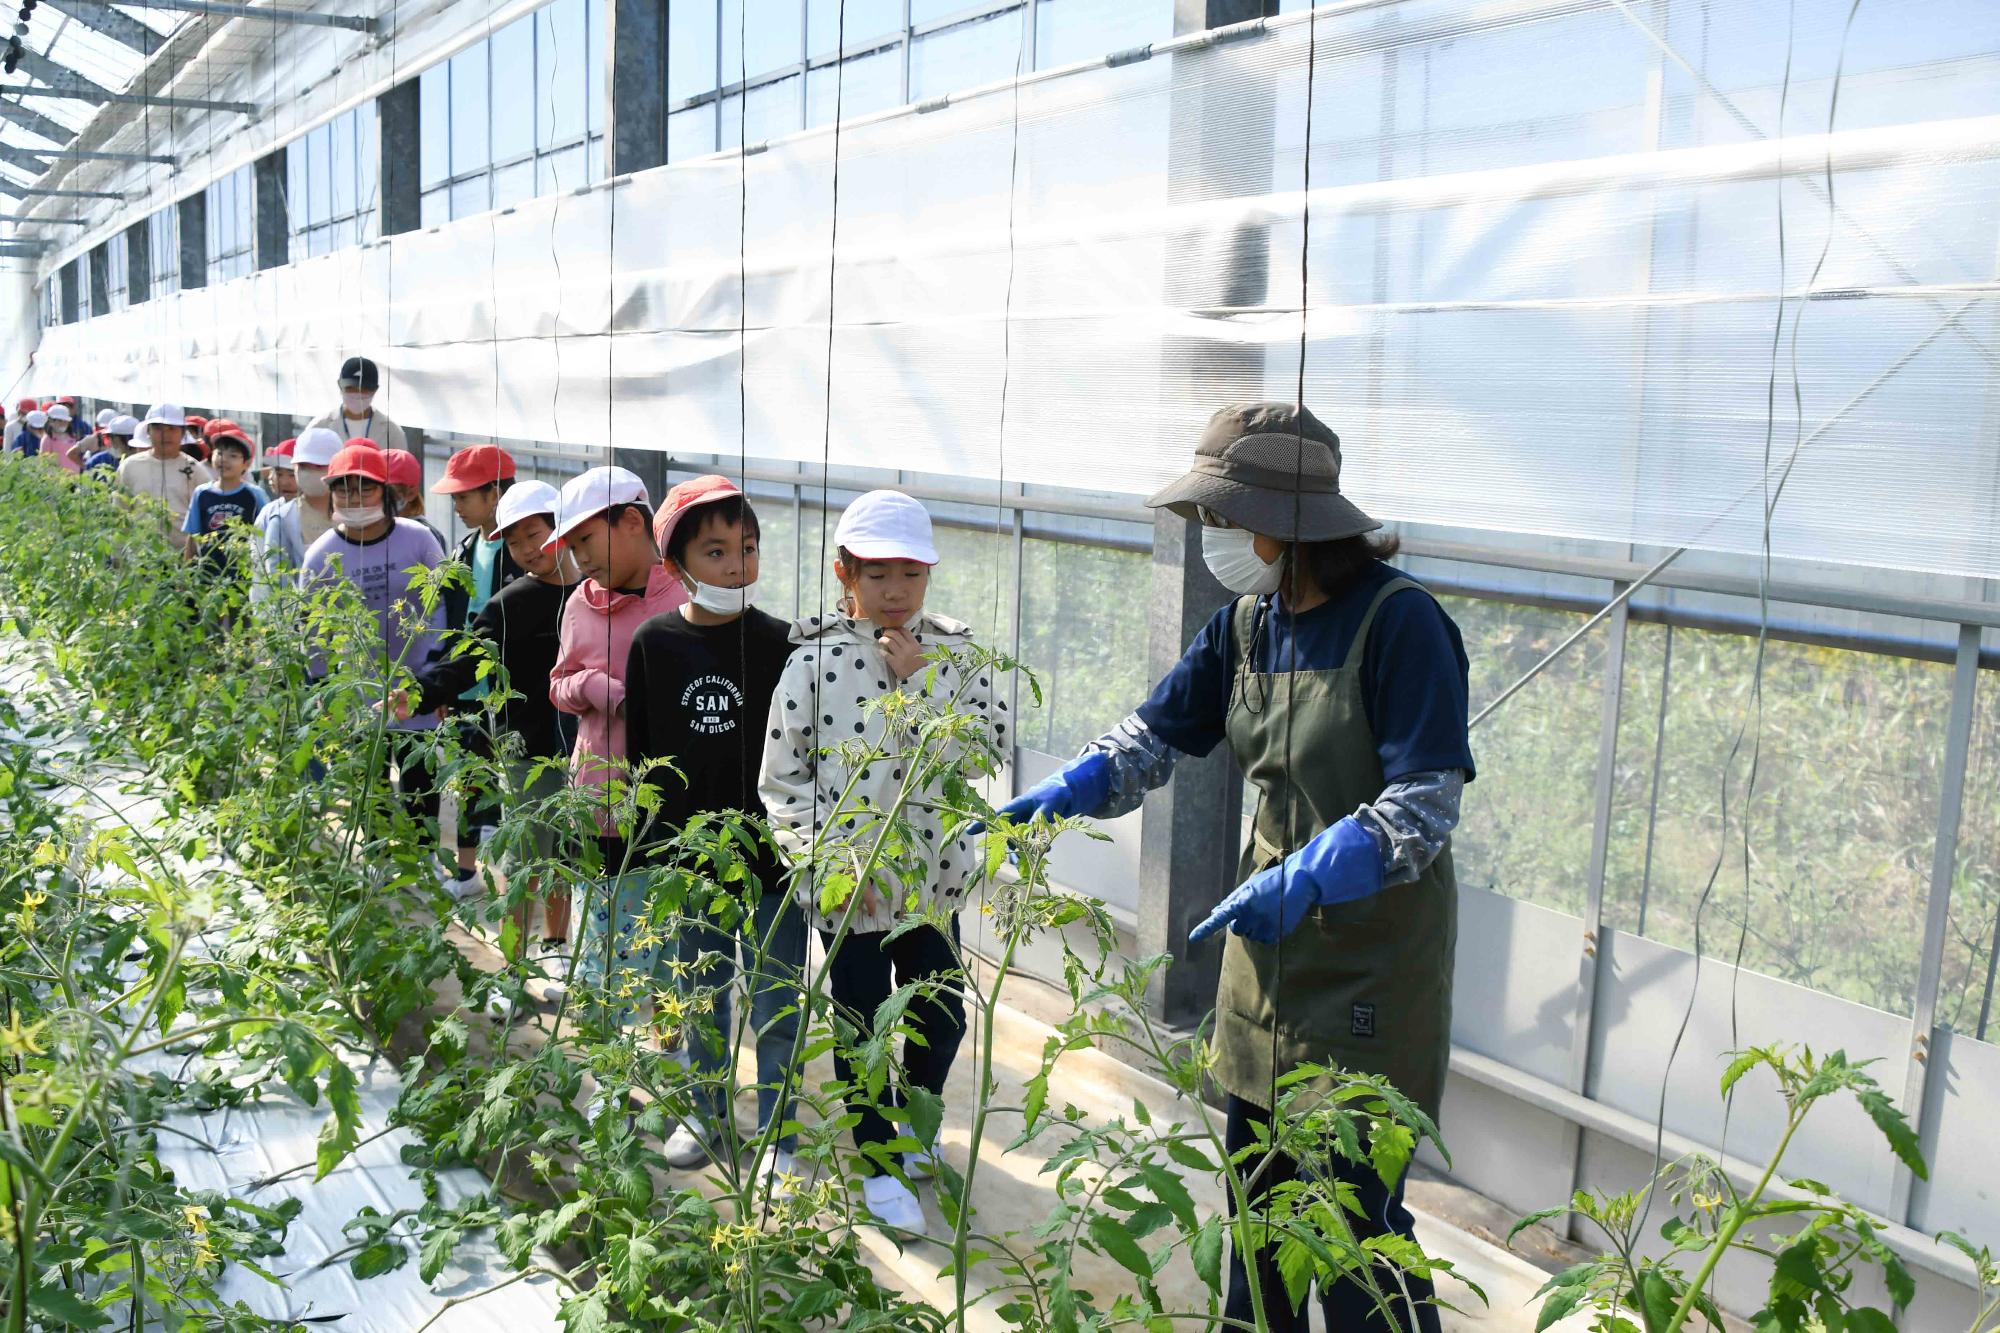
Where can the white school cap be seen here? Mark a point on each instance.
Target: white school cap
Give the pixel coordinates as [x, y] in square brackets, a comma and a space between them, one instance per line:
[887, 525]
[316, 447]
[523, 500]
[589, 494]
[166, 414]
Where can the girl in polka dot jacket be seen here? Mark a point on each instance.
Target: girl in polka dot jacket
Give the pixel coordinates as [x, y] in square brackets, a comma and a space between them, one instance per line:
[877, 641]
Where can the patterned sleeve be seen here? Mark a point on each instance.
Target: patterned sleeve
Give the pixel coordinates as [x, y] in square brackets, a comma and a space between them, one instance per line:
[1412, 819]
[1141, 760]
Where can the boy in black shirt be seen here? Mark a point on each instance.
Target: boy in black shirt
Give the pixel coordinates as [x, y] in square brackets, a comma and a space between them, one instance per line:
[521, 621]
[698, 688]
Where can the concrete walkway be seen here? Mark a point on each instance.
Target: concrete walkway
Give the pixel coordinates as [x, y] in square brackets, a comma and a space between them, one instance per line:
[1011, 1192]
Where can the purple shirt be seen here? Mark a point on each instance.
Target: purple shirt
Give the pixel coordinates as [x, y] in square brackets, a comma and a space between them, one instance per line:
[380, 571]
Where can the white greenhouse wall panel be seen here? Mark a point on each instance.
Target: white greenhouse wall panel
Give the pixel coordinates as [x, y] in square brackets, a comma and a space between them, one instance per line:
[1643, 998]
[1514, 995]
[1537, 305]
[1964, 1194]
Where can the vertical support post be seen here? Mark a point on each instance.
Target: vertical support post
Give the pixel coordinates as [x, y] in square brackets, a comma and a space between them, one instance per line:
[1589, 965]
[1193, 827]
[99, 260]
[1585, 1013]
[274, 233]
[1020, 551]
[398, 122]
[138, 263]
[635, 138]
[1937, 913]
[635, 34]
[272, 428]
[1193, 833]
[194, 240]
[799, 550]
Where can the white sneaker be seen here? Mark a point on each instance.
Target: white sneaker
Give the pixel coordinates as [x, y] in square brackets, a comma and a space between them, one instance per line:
[690, 1145]
[462, 890]
[499, 1007]
[920, 1165]
[554, 991]
[892, 1206]
[781, 1170]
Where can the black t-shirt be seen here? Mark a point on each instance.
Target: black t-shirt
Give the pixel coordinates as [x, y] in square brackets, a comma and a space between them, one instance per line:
[522, 621]
[699, 695]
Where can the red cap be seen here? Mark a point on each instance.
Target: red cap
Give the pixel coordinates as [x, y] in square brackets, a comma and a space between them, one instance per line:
[474, 466]
[359, 460]
[27, 405]
[197, 423]
[46, 406]
[215, 426]
[362, 441]
[686, 496]
[282, 449]
[67, 401]
[221, 435]
[404, 467]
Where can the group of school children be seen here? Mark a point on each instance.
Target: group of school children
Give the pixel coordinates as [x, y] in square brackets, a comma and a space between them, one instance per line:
[626, 633]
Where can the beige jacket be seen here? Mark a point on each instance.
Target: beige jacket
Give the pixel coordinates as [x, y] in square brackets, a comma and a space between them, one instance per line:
[380, 429]
[834, 671]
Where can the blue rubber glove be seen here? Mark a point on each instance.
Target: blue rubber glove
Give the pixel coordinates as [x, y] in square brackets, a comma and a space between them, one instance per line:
[1343, 863]
[1079, 787]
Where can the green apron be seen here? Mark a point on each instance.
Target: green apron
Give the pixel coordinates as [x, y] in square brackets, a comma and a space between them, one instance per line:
[1362, 985]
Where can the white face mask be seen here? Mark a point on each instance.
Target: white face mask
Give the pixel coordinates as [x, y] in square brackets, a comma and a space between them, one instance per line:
[358, 516]
[1231, 555]
[357, 404]
[312, 483]
[721, 601]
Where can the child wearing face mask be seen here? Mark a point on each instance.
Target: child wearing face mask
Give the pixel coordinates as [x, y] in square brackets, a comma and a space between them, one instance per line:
[698, 686]
[377, 552]
[287, 529]
[876, 642]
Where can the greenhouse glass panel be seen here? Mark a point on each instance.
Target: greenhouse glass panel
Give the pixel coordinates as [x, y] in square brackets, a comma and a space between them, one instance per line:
[862, 86]
[1848, 750]
[1969, 988]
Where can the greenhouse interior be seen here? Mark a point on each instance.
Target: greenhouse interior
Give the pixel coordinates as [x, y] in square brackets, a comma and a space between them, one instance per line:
[1431, 561]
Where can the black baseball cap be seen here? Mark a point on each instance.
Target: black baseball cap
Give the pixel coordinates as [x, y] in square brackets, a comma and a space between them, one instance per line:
[358, 372]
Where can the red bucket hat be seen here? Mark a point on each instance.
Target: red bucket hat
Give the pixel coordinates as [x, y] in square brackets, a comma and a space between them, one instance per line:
[405, 469]
[474, 466]
[690, 495]
[358, 460]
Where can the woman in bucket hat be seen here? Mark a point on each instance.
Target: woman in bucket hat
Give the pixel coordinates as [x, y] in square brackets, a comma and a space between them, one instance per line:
[1340, 686]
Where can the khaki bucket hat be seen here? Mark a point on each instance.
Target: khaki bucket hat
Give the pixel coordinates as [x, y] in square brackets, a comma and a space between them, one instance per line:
[1272, 468]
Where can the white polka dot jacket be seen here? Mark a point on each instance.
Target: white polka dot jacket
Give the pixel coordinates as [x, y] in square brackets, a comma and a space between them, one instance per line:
[834, 673]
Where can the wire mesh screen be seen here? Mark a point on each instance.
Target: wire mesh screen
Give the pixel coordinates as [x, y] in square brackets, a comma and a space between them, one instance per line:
[1547, 293]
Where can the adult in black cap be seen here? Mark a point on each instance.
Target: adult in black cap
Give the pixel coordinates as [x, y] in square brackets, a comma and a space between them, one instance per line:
[1340, 685]
[356, 417]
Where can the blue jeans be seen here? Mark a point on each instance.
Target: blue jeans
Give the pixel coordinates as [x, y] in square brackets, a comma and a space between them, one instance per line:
[774, 987]
[638, 950]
